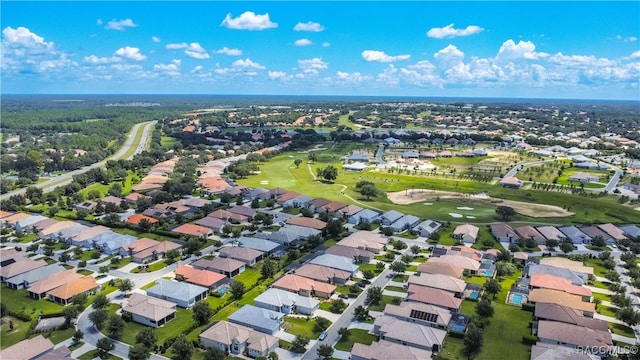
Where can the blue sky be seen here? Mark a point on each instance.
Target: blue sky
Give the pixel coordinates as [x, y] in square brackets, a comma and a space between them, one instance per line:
[479, 49]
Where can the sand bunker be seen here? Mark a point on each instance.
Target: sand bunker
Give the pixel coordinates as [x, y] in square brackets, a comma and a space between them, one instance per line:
[427, 204]
[457, 216]
[464, 208]
[264, 182]
[528, 209]
[471, 217]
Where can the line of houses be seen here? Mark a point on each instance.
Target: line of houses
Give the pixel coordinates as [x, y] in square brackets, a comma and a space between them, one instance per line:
[610, 233]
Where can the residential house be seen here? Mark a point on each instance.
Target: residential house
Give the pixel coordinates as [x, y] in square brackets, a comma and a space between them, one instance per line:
[576, 266]
[419, 313]
[182, 294]
[470, 265]
[246, 255]
[307, 222]
[290, 235]
[258, 319]
[594, 232]
[444, 268]
[584, 177]
[316, 204]
[631, 231]
[194, 203]
[390, 217]
[544, 351]
[558, 297]
[520, 257]
[286, 197]
[335, 262]
[20, 265]
[133, 198]
[193, 230]
[67, 234]
[511, 182]
[366, 240]
[297, 202]
[22, 221]
[255, 193]
[266, 247]
[236, 339]
[503, 232]
[551, 233]
[323, 273]
[364, 216]
[136, 219]
[467, 233]
[39, 289]
[155, 252]
[286, 302]
[460, 251]
[212, 223]
[349, 211]
[86, 206]
[409, 333]
[438, 281]
[575, 278]
[546, 281]
[63, 293]
[567, 315]
[331, 208]
[85, 237]
[110, 242]
[248, 212]
[574, 235]
[613, 231]
[553, 332]
[406, 222]
[304, 286]
[148, 310]
[387, 350]
[24, 280]
[204, 278]
[426, 228]
[529, 232]
[227, 267]
[52, 230]
[358, 255]
[28, 349]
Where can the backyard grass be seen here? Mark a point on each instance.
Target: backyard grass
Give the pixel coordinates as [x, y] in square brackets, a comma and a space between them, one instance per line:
[596, 264]
[18, 301]
[412, 268]
[600, 284]
[284, 344]
[372, 267]
[302, 327]
[622, 330]
[419, 260]
[607, 310]
[504, 333]
[84, 272]
[355, 336]
[148, 286]
[59, 336]
[400, 278]
[138, 234]
[386, 299]
[28, 238]
[346, 290]
[601, 296]
[248, 277]
[10, 337]
[468, 307]
[395, 288]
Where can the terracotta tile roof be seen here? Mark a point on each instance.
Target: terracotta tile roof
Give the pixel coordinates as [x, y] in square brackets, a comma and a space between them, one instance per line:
[225, 333]
[564, 263]
[89, 233]
[321, 273]
[573, 335]
[307, 222]
[161, 248]
[53, 229]
[136, 218]
[287, 196]
[547, 281]
[199, 277]
[384, 349]
[460, 261]
[12, 219]
[367, 240]
[53, 281]
[226, 265]
[295, 283]
[434, 297]
[4, 214]
[561, 298]
[431, 267]
[67, 290]
[140, 245]
[192, 229]
[439, 281]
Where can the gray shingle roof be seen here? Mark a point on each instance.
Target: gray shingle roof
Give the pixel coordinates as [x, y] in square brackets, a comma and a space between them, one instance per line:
[335, 262]
[176, 290]
[257, 318]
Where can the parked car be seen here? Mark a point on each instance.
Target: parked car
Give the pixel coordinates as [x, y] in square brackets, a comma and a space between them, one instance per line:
[323, 335]
[343, 296]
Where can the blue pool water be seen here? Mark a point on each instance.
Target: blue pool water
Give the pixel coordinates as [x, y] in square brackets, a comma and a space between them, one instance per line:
[223, 289]
[458, 328]
[516, 299]
[474, 295]
[489, 273]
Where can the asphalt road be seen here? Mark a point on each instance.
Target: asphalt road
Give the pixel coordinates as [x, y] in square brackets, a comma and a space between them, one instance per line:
[66, 178]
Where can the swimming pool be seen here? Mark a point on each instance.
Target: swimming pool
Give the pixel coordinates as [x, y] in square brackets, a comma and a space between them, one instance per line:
[222, 289]
[516, 299]
[474, 295]
[458, 328]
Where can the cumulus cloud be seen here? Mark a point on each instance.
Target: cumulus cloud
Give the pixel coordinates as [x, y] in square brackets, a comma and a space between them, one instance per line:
[155, 39]
[120, 25]
[627, 39]
[449, 31]
[175, 46]
[326, 44]
[449, 54]
[380, 56]
[25, 51]
[95, 60]
[277, 75]
[354, 77]
[249, 21]
[196, 69]
[172, 69]
[129, 52]
[231, 52]
[246, 67]
[312, 66]
[303, 42]
[308, 26]
[635, 54]
[196, 51]
[522, 50]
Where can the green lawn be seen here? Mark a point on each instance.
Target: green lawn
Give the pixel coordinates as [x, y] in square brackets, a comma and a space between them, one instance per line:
[607, 311]
[158, 265]
[395, 288]
[28, 238]
[302, 327]
[18, 301]
[148, 286]
[10, 337]
[344, 289]
[181, 322]
[372, 267]
[600, 296]
[355, 336]
[623, 330]
[93, 354]
[85, 272]
[596, 264]
[139, 234]
[600, 284]
[248, 277]
[325, 305]
[400, 278]
[59, 336]
[386, 299]
[504, 333]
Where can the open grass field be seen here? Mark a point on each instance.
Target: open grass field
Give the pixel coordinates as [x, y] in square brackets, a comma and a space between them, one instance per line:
[355, 336]
[302, 327]
[18, 301]
[248, 277]
[281, 172]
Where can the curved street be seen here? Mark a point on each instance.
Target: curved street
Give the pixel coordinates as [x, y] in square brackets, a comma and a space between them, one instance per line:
[67, 178]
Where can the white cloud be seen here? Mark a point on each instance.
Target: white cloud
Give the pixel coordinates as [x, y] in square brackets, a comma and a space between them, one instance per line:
[627, 39]
[95, 60]
[303, 42]
[247, 64]
[354, 78]
[196, 51]
[231, 52]
[380, 56]
[326, 44]
[277, 75]
[25, 51]
[249, 21]
[308, 26]
[449, 31]
[241, 67]
[312, 66]
[580, 61]
[132, 53]
[172, 69]
[176, 46]
[155, 39]
[522, 50]
[120, 25]
[196, 69]
[449, 54]
[635, 54]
